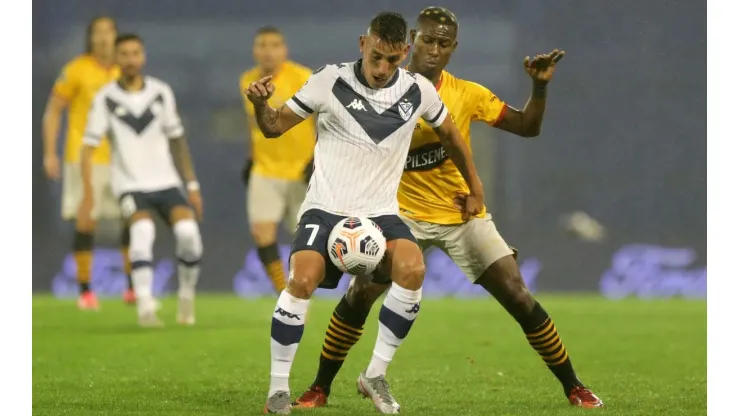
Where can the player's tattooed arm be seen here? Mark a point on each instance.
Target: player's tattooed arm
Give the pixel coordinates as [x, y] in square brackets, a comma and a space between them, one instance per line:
[180, 152]
[272, 122]
[527, 122]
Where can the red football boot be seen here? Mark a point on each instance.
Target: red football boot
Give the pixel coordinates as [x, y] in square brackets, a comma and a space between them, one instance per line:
[88, 301]
[129, 297]
[583, 397]
[313, 397]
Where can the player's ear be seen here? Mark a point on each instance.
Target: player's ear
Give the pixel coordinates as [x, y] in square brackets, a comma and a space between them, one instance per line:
[406, 50]
[454, 46]
[412, 35]
[362, 43]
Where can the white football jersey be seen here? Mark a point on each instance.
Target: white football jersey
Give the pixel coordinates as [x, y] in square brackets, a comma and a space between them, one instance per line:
[363, 136]
[139, 125]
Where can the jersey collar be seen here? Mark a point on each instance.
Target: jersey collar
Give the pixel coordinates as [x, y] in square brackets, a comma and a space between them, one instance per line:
[360, 77]
[439, 83]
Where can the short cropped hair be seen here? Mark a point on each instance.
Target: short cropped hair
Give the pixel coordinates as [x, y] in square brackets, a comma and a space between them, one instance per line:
[438, 15]
[268, 30]
[128, 37]
[390, 27]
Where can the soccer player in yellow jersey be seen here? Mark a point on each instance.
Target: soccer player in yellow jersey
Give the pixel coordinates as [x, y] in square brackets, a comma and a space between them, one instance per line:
[74, 90]
[435, 218]
[276, 176]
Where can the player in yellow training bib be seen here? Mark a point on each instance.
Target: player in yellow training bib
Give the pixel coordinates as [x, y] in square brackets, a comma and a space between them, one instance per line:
[425, 196]
[277, 174]
[74, 90]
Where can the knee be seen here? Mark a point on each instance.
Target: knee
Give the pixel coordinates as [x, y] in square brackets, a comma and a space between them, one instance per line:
[263, 234]
[362, 293]
[187, 235]
[409, 275]
[504, 281]
[85, 226]
[303, 284]
[305, 278]
[521, 298]
[142, 239]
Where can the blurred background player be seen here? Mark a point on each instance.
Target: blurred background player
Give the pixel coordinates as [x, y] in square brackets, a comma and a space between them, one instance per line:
[74, 90]
[475, 246]
[140, 115]
[277, 173]
[367, 111]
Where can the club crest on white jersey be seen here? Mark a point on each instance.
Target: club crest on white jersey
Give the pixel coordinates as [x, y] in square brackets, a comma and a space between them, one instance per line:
[405, 109]
[363, 136]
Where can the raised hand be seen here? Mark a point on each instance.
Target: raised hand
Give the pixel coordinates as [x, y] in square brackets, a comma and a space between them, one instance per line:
[542, 67]
[260, 91]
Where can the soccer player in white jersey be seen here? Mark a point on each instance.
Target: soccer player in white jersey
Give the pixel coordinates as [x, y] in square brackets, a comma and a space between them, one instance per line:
[366, 112]
[139, 115]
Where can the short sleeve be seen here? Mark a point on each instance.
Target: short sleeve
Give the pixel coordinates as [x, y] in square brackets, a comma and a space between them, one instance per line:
[434, 111]
[97, 121]
[68, 82]
[486, 105]
[173, 128]
[312, 95]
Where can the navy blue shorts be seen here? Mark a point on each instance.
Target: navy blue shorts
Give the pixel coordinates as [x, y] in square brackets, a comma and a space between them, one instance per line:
[157, 202]
[313, 232]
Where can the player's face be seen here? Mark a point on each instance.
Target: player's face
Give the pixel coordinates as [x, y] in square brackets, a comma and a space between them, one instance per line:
[380, 60]
[433, 46]
[130, 57]
[270, 51]
[103, 36]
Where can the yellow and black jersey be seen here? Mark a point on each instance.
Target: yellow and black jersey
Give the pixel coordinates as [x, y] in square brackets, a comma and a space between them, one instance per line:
[80, 80]
[287, 156]
[430, 180]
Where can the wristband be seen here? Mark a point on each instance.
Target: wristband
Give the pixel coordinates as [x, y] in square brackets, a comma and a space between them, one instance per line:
[193, 186]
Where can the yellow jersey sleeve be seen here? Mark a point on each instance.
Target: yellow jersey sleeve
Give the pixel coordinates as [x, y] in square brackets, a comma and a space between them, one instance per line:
[68, 83]
[486, 105]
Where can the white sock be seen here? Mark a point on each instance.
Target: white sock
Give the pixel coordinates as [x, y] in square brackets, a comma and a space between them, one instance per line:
[140, 251]
[188, 278]
[143, 279]
[397, 314]
[189, 251]
[287, 329]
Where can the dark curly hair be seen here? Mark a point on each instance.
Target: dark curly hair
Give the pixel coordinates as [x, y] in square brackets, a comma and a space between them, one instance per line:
[390, 27]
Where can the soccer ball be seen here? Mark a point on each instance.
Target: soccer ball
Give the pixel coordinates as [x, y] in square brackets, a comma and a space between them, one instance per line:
[356, 246]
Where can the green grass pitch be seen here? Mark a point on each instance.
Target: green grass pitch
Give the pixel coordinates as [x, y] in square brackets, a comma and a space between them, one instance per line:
[463, 357]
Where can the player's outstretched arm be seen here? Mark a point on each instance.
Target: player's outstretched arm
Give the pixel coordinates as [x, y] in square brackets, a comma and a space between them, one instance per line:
[527, 122]
[461, 156]
[271, 121]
